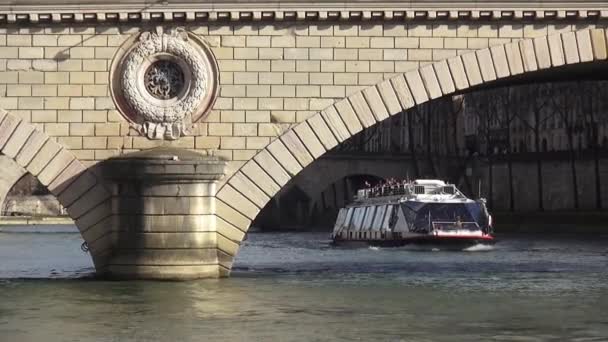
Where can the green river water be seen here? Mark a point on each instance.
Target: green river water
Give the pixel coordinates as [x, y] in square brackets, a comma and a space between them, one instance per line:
[295, 287]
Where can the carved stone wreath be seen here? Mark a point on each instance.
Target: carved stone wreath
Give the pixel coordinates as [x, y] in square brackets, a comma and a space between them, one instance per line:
[163, 82]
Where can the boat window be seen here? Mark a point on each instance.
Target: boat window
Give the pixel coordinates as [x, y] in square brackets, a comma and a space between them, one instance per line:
[421, 216]
[349, 216]
[449, 189]
[377, 222]
[387, 216]
[358, 216]
[369, 217]
[419, 189]
[340, 220]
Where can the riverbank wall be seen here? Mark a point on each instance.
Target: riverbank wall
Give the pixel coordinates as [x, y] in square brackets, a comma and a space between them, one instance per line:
[551, 222]
[563, 222]
[548, 222]
[33, 205]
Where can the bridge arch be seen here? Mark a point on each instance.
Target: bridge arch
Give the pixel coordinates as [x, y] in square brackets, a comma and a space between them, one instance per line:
[242, 196]
[11, 174]
[76, 187]
[335, 168]
[320, 195]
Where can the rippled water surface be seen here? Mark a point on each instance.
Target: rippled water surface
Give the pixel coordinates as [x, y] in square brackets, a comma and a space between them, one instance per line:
[295, 287]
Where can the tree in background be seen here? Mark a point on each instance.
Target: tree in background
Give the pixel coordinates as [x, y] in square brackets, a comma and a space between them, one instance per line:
[506, 116]
[567, 106]
[534, 115]
[485, 106]
[592, 96]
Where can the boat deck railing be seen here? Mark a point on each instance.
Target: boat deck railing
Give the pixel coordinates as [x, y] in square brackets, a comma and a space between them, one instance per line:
[381, 191]
[404, 189]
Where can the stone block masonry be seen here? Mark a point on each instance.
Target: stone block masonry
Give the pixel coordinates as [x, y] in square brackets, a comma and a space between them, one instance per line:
[272, 75]
[162, 223]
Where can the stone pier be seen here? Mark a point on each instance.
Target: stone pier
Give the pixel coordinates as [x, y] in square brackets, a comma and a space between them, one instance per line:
[163, 206]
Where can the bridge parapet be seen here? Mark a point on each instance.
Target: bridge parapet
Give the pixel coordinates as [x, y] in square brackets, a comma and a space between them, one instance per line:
[133, 11]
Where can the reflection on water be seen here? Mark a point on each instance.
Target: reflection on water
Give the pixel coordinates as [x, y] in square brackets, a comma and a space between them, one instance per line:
[295, 287]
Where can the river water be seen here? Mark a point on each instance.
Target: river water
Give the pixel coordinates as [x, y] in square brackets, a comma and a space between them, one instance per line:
[295, 287]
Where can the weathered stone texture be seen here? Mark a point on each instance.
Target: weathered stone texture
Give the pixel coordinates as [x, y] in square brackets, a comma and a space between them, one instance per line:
[276, 75]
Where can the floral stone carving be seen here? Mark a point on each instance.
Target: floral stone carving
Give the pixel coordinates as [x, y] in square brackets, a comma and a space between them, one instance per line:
[162, 82]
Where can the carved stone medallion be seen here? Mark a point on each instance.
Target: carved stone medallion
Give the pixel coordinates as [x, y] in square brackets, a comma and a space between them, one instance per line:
[162, 82]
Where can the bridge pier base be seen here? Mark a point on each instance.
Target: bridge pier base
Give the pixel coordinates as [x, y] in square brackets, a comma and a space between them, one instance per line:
[163, 209]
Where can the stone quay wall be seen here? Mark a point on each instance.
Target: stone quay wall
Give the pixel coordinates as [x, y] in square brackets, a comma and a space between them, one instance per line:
[557, 183]
[23, 205]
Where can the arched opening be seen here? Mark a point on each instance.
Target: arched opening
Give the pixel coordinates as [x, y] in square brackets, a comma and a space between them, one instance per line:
[28, 197]
[479, 158]
[506, 134]
[25, 149]
[293, 209]
[37, 238]
[288, 210]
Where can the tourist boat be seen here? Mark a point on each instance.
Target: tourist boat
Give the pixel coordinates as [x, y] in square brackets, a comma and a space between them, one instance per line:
[424, 211]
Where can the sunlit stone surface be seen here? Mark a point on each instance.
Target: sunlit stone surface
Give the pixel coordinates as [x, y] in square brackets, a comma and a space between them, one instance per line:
[163, 207]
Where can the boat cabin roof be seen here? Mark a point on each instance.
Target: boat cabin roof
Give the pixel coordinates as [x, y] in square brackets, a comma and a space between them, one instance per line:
[434, 182]
[420, 189]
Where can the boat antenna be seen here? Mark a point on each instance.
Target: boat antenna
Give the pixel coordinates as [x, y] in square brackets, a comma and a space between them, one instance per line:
[479, 188]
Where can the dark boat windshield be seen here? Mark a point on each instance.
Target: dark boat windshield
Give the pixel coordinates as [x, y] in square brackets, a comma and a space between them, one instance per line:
[420, 216]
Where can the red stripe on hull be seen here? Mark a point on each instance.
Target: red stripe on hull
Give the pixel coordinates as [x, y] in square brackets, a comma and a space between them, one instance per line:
[456, 237]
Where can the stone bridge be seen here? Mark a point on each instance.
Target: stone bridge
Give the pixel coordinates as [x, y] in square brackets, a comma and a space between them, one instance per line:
[269, 87]
[336, 166]
[315, 199]
[318, 199]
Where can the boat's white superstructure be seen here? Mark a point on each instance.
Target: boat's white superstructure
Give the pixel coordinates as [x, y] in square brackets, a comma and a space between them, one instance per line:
[424, 210]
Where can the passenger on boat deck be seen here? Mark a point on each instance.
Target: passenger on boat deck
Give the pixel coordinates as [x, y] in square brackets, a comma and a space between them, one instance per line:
[458, 222]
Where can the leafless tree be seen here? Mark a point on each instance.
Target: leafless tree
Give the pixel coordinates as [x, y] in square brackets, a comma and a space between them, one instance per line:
[456, 109]
[506, 116]
[494, 112]
[424, 115]
[592, 92]
[537, 101]
[566, 106]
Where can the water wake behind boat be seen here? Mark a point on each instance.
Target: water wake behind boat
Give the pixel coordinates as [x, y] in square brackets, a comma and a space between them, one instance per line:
[480, 247]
